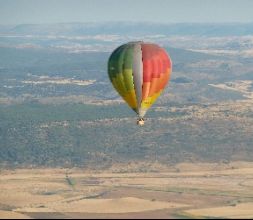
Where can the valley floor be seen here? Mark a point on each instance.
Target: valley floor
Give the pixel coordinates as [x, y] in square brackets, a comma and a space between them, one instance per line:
[186, 190]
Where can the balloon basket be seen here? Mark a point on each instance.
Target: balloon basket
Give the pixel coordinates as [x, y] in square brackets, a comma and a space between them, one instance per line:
[140, 122]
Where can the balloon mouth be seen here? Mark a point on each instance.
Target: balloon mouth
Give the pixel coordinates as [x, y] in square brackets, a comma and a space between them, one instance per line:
[140, 122]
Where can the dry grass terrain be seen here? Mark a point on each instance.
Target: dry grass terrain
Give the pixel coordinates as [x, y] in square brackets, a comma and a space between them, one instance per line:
[185, 190]
[240, 211]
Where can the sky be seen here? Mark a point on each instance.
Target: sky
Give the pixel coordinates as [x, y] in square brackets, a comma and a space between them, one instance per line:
[165, 11]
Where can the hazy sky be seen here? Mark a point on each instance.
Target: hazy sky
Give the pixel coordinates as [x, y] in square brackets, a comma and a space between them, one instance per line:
[53, 11]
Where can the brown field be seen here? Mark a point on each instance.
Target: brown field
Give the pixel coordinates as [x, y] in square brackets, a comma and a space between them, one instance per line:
[186, 190]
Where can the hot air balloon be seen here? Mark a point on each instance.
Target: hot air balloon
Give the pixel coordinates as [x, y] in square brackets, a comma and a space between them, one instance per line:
[139, 72]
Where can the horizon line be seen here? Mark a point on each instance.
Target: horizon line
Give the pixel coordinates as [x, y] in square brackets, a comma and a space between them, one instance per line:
[133, 22]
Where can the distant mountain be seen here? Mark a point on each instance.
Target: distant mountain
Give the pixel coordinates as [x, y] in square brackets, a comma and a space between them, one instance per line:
[131, 28]
[54, 60]
[179, 55]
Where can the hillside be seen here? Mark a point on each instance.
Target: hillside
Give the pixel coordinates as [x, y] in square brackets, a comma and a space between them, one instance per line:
[58, 108]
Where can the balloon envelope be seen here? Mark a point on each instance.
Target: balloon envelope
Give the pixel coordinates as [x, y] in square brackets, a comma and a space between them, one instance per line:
[139, 72]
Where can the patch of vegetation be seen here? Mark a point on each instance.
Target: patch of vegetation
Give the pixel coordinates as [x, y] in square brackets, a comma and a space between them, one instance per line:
[70, 181]
[88, 135]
